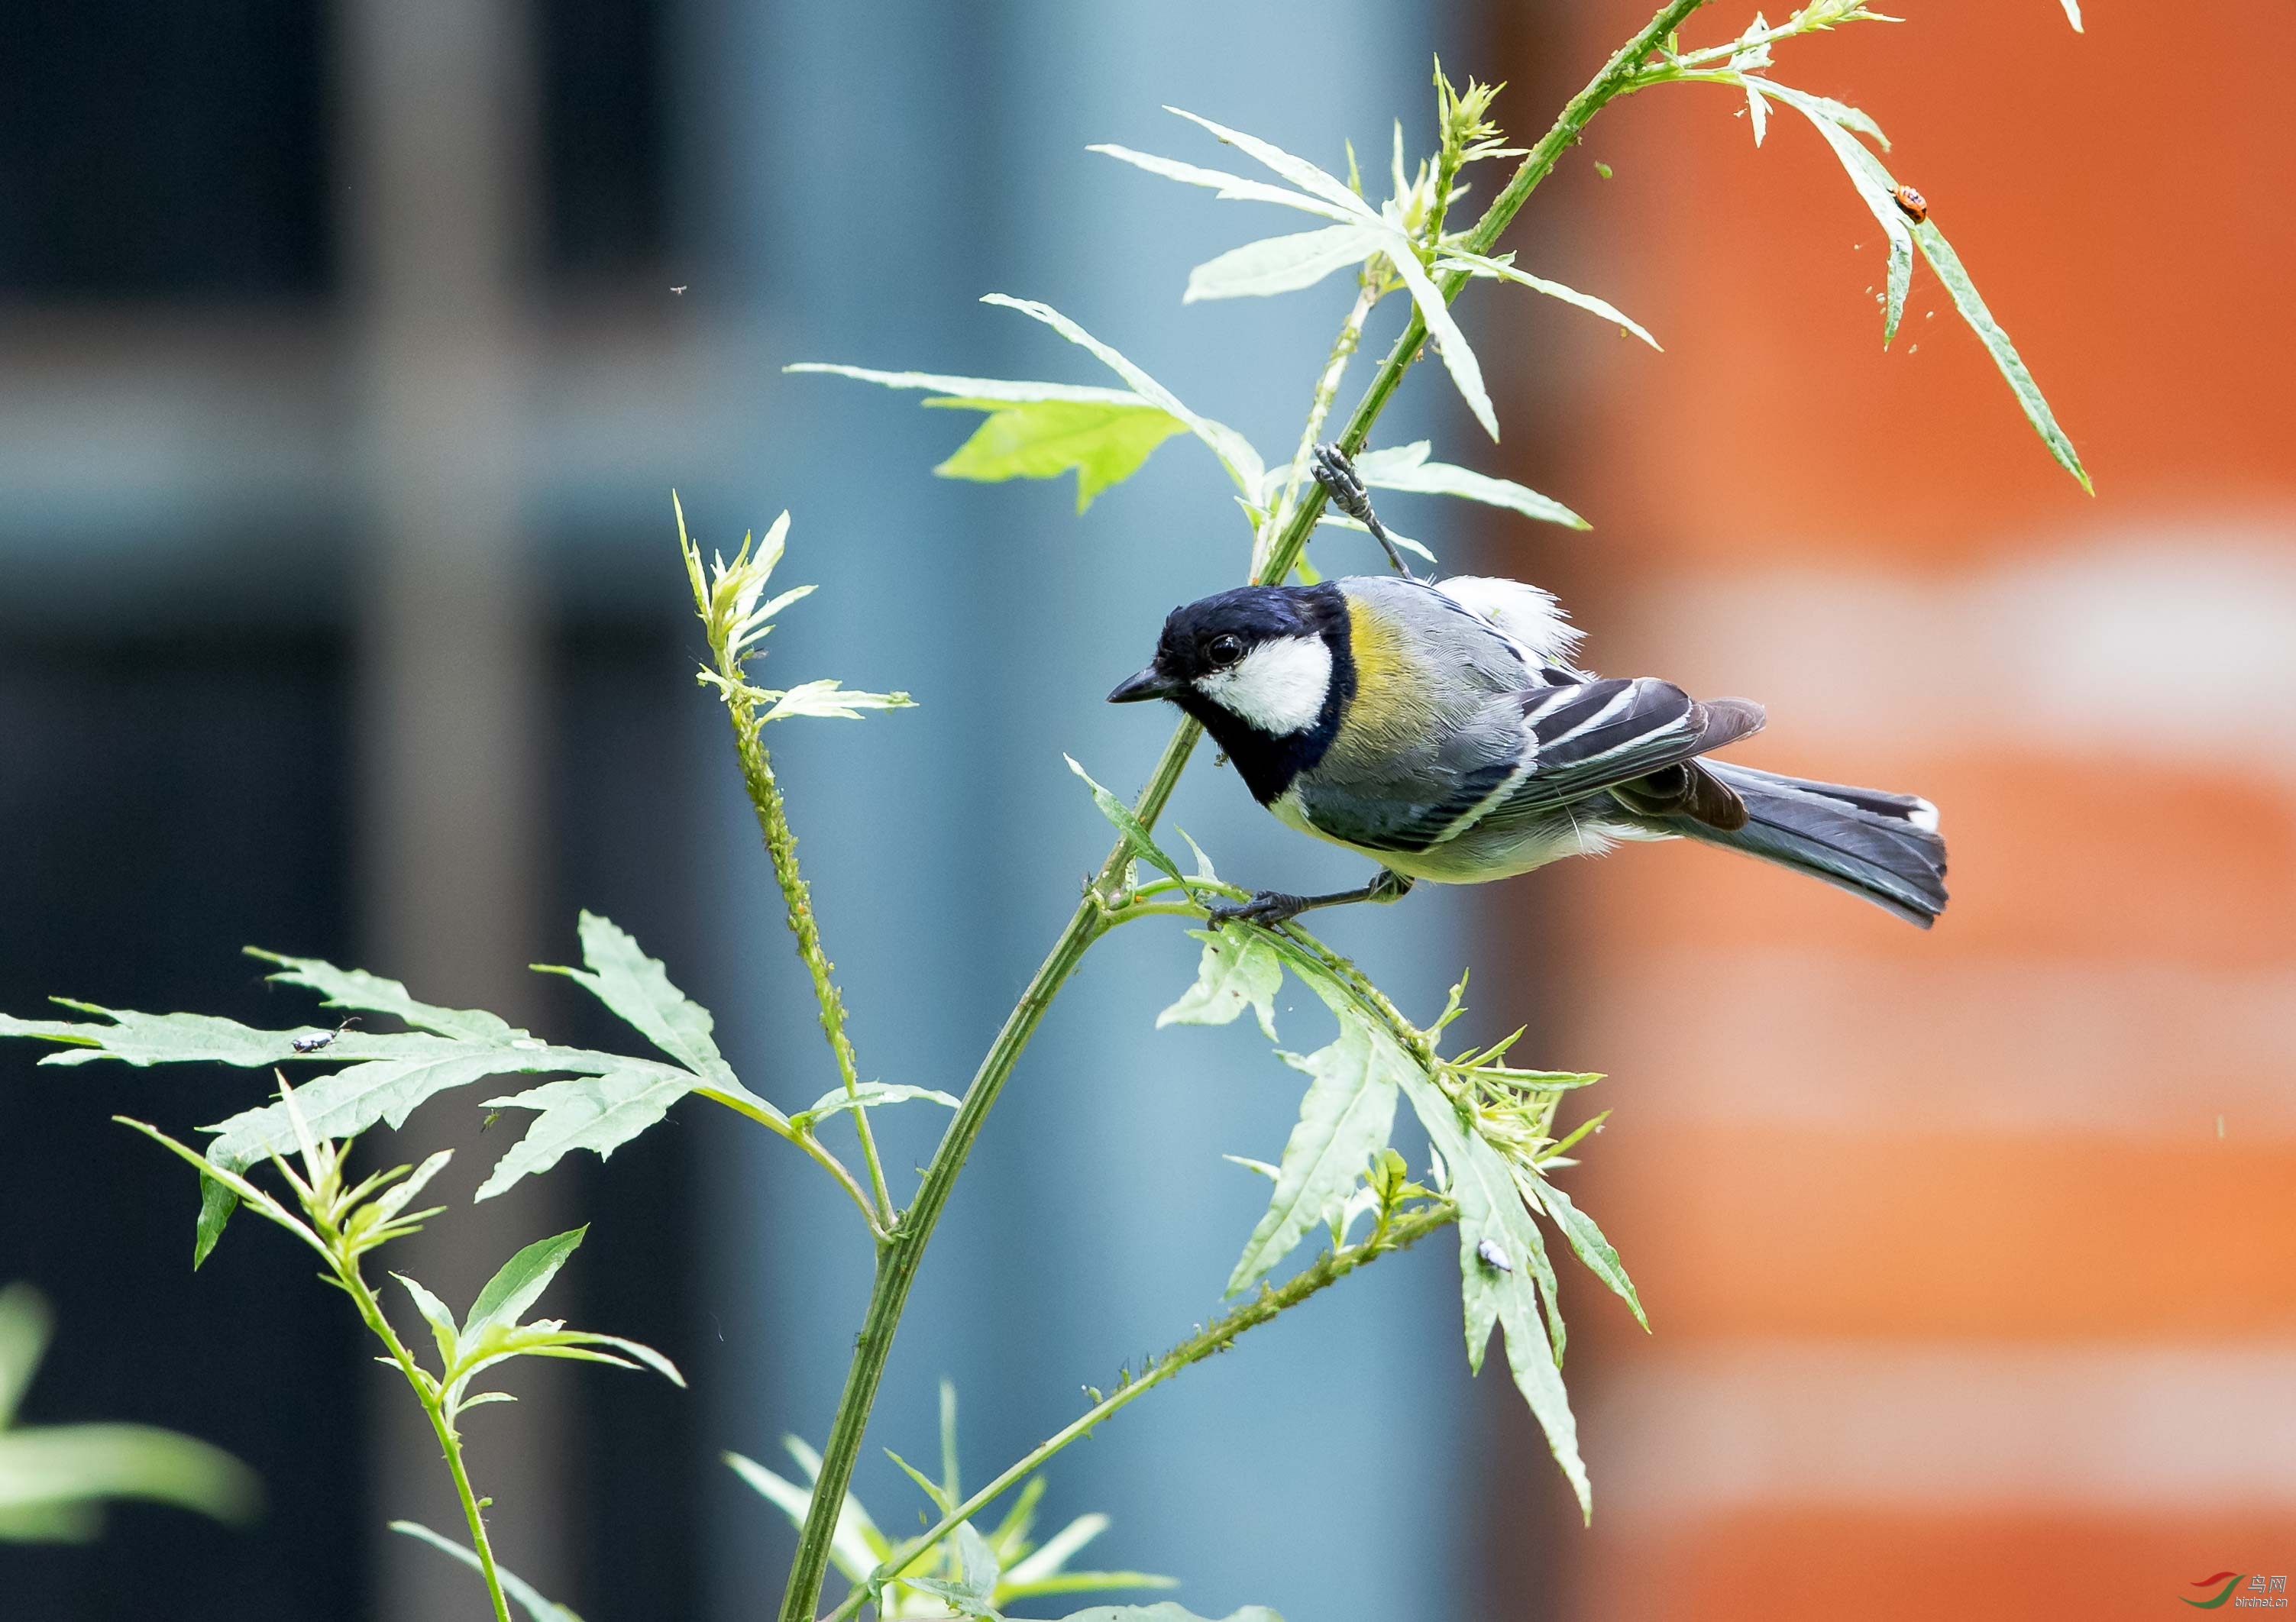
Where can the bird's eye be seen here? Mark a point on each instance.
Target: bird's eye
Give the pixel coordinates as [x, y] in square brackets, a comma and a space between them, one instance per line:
[1225, 648]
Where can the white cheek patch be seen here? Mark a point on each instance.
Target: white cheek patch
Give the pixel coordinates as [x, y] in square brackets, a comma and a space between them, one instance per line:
[1278, 687]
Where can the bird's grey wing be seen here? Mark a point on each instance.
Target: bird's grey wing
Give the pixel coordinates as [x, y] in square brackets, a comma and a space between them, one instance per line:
[1593, 735]
[1405, 790]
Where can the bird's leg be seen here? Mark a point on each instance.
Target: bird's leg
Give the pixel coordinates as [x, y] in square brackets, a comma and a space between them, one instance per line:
[1345, 485]
[1273, 907]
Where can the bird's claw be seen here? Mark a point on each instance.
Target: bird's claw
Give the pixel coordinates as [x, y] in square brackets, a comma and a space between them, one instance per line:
[1269, 909]
[1338, 478]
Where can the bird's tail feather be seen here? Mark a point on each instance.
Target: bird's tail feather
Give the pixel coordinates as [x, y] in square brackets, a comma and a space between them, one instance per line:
[1881, 846]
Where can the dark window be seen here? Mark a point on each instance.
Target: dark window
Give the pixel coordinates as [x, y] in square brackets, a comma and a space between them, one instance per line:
[164, 803]
[150, 149]
[603, 134]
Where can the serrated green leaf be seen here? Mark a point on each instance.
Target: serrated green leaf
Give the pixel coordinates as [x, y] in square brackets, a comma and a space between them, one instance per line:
[637, 987]
[518, 1283]
[1282, 264]
[1948, 265]
[1491, 1209]
[357, 988]
[515, 1587]
[1103, 442]
[1115, 811]
[1235, 454]
[1345, 1118]
[1587, 1239]
[142, 1039]
[1503, 269]
[598, 1113]
[1238, 970]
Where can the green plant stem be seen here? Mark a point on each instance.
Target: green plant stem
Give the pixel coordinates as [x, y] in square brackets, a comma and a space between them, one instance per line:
[898, 1258]
[773, 1121]
[1616, 75]
[1371, 285]
[797, 900]
[1217, 1335]
[450, 1441]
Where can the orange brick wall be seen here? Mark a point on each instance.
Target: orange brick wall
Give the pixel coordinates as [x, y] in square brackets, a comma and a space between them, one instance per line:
[1972, 1256]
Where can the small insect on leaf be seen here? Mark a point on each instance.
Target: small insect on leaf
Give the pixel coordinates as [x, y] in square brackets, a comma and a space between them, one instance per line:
[1491, 1255]
[322, 1040]
[1912, 204]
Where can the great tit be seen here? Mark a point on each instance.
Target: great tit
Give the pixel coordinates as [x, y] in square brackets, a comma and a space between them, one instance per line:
[1441, 729]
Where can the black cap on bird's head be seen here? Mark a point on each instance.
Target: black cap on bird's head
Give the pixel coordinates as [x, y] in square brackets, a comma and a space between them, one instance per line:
[1202, 640]
[1258, 666]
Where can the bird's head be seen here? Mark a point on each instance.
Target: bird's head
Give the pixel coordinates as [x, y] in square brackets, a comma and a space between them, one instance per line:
[1263, 668]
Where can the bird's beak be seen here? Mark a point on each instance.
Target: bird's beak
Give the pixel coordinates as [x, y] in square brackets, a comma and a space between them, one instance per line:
[1149, 684]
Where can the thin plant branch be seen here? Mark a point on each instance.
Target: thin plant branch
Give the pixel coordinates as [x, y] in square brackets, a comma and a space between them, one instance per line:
[1216, 1336]
[898, 1258]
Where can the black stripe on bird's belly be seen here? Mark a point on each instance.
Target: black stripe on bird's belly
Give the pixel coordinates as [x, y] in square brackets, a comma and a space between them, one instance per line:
[1267, 762]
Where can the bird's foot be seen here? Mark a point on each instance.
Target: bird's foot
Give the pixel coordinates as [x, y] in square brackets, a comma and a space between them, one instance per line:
[1340, 479]
[1270, 908]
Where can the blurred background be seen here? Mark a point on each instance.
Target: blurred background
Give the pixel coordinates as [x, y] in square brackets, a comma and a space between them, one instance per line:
[348, 356]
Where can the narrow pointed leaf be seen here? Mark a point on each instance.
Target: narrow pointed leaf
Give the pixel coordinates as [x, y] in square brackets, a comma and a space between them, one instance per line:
[519, 1282]
[1164, 1610]
[833, 698]
[1299, 171]
[1282, 264]
[1115, 811]
[1057, 1549]
[54, 1479]
[982, 393]
[931, 1488]
[849, 1547]
[1874, 189]
[869, 1095]
[1235, 453]
[1504, 270]
[1234, 187]
[1948, 265]
[1415, 474]
[1458, 359]
[515, 1587]
[1586, 1239]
